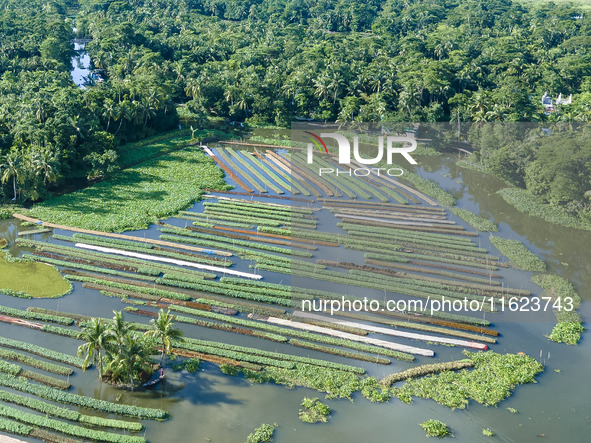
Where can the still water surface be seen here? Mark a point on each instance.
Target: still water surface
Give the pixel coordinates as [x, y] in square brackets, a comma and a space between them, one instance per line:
[80, 66]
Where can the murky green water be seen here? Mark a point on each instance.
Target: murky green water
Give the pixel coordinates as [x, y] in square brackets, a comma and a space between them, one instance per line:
[210, 406]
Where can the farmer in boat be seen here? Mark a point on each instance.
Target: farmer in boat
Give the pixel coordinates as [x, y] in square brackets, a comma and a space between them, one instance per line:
[161, 372]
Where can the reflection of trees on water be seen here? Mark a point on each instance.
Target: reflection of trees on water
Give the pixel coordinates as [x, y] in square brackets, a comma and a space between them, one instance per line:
[9, 232]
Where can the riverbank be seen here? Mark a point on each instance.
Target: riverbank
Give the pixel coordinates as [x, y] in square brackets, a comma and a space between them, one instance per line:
[524, 201]
[135, 197]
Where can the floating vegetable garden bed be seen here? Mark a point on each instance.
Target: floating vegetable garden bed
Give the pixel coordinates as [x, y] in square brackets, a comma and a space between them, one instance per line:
[519, 255]
[35, 363]
[66, 428]
[15, 383]
[492, 380]
[42, 352]
[17, 371]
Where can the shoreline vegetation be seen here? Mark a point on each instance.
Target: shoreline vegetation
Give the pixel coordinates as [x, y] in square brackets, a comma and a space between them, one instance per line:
[547, 176]
[569, 327]
[520, 256]
[527, 203]
[137, 196]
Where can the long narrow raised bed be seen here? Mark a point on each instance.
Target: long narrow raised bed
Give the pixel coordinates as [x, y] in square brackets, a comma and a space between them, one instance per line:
[121, 236]
[58, 396]
[411, 335]
[228, 171]
[275, 197]
[345, 335]
[406, 188]
[423, 370]
[261, 233]
[307, 176]
[254, 172]
[232, 164]
[295, 184]
[302, 180]
[169, 260]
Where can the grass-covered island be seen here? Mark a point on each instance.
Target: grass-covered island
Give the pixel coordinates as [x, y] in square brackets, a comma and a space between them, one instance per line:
[25, 278]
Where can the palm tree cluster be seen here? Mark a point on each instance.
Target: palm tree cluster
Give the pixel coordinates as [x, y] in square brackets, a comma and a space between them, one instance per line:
[121, 353]
[34, 169]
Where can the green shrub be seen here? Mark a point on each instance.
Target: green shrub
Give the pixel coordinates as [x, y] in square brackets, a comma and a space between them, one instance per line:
[435, 428]
[487, 432]
[314, 411]
[263, 433]
[192, 365]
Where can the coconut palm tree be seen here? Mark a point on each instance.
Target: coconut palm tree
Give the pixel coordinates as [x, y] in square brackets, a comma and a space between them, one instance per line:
[164, 330]
[135, 357]
[12, 169]
[108, 110]
[46, 164]
[93, 334]
[116, 333]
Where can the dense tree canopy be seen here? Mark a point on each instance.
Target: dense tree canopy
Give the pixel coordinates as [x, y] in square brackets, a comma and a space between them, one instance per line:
[270, 61]
[552, 161]
[399, 60]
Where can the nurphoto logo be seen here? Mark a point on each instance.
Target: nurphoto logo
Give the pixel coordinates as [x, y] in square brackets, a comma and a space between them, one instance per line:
[392, 147]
